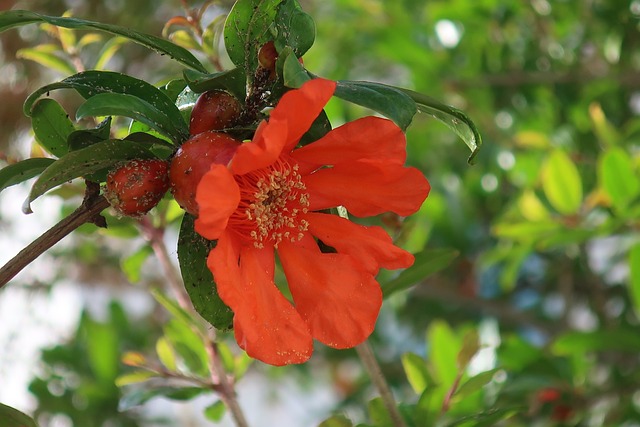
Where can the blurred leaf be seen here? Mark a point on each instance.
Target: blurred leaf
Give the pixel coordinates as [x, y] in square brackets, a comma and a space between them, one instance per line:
[247, 28]
[45, 56]
[618, 178]
[134, 378]
[134, 358]
[455, 119]
[606, 132]
[139, 395]
[470, 346]
[83, 162]
[378, 413]
[166, 354]
[426, 263]
[14, 18]
[561, 183]
[336, 421]
[389, 101]
[193, 250]
[11, 417]
[531, 208]
[294, 28]
[415, 367]
[189, 346]
[176, 310]
[233, 81]
[92, 83]
[23, 170]
[215, 412]
[185, 39]
[132, 265]
[475, 383]
[51, 126]
[102, 349]
[488, 418]
[634, 277]
[443, 351]
[620, 339]
[108, 50]
[119, 104]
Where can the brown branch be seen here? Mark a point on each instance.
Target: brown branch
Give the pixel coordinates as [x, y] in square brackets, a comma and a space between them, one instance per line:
[87, 212]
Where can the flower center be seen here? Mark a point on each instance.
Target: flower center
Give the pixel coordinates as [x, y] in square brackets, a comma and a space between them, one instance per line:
[271, 202]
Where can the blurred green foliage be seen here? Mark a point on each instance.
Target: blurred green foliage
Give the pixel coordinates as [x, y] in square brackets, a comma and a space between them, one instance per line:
[546, 287]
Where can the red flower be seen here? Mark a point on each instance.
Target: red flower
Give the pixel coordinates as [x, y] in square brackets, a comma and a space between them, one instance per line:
[268, 198]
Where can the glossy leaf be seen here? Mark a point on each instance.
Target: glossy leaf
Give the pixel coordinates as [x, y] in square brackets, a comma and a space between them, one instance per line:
[561, 183]
[11, 417]
[293, 73]
[386, 100]
[454, 118]
[92, 83]
[295, 28]
[51, 126]
[83, 138]
[634, 277]
[23, 170]
[247, 28]
[426, 263]
[618, 177]
[193, 250]
[15, 18]
[119, 104]
[233, 81]
[84, 162]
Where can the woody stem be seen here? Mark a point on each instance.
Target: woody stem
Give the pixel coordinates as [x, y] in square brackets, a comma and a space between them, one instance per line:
[218, 375]
[368, 358]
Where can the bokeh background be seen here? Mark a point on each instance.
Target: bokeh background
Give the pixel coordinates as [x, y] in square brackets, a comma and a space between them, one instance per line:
[546, 224]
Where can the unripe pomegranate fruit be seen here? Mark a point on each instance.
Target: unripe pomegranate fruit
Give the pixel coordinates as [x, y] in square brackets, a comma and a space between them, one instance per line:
[137, 186]
[214, 110]
[193, 159]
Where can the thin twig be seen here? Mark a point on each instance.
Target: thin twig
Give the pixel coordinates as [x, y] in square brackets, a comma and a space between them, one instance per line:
[87, 212]
[372, 367]
[218, 374]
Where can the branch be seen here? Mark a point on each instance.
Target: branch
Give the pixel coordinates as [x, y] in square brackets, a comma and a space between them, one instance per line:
[87, 212]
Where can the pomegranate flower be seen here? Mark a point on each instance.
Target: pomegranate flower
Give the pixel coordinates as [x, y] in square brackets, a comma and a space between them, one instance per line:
[271, 197]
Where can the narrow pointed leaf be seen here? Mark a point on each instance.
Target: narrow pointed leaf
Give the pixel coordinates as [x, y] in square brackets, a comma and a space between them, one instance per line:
[15, 18]
[19, 172]
[455, 119]
[84, 162]
[198, 280]
[386, 100]
[11, 417]
[46, 59]
[120, 104]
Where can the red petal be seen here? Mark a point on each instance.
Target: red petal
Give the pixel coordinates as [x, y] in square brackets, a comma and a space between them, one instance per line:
[288, 121]
[266, 325]
[368, 188]
[339, 300]
[372, 138]
[218, 197]
[371, 246]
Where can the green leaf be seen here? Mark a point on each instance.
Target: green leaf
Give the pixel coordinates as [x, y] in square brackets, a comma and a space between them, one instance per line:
[336, 421]
[470, 346]
[415, 367]
[11, 417]
[140, 395]
[378, 413]
[193, 250]
[23, 170]
[618, 177]
[294, 28]
[102, 350]
[247, 28]
[132, 265]
[176, 311]
[119, 104]
[634, 277]
[233, 81]
[46, 57]
[625, 340]
[134, 378]
[386, 100]
[166, 353]
[188, 346]
[51, 126]
[91, 83]
[107, 52]
[15, 18]
[426, 263]
[475, 383]
[455, 119]
[84, 162]
[293, 72]
[215, 412]
[443, 351]
[85, 137]
[561, 183]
